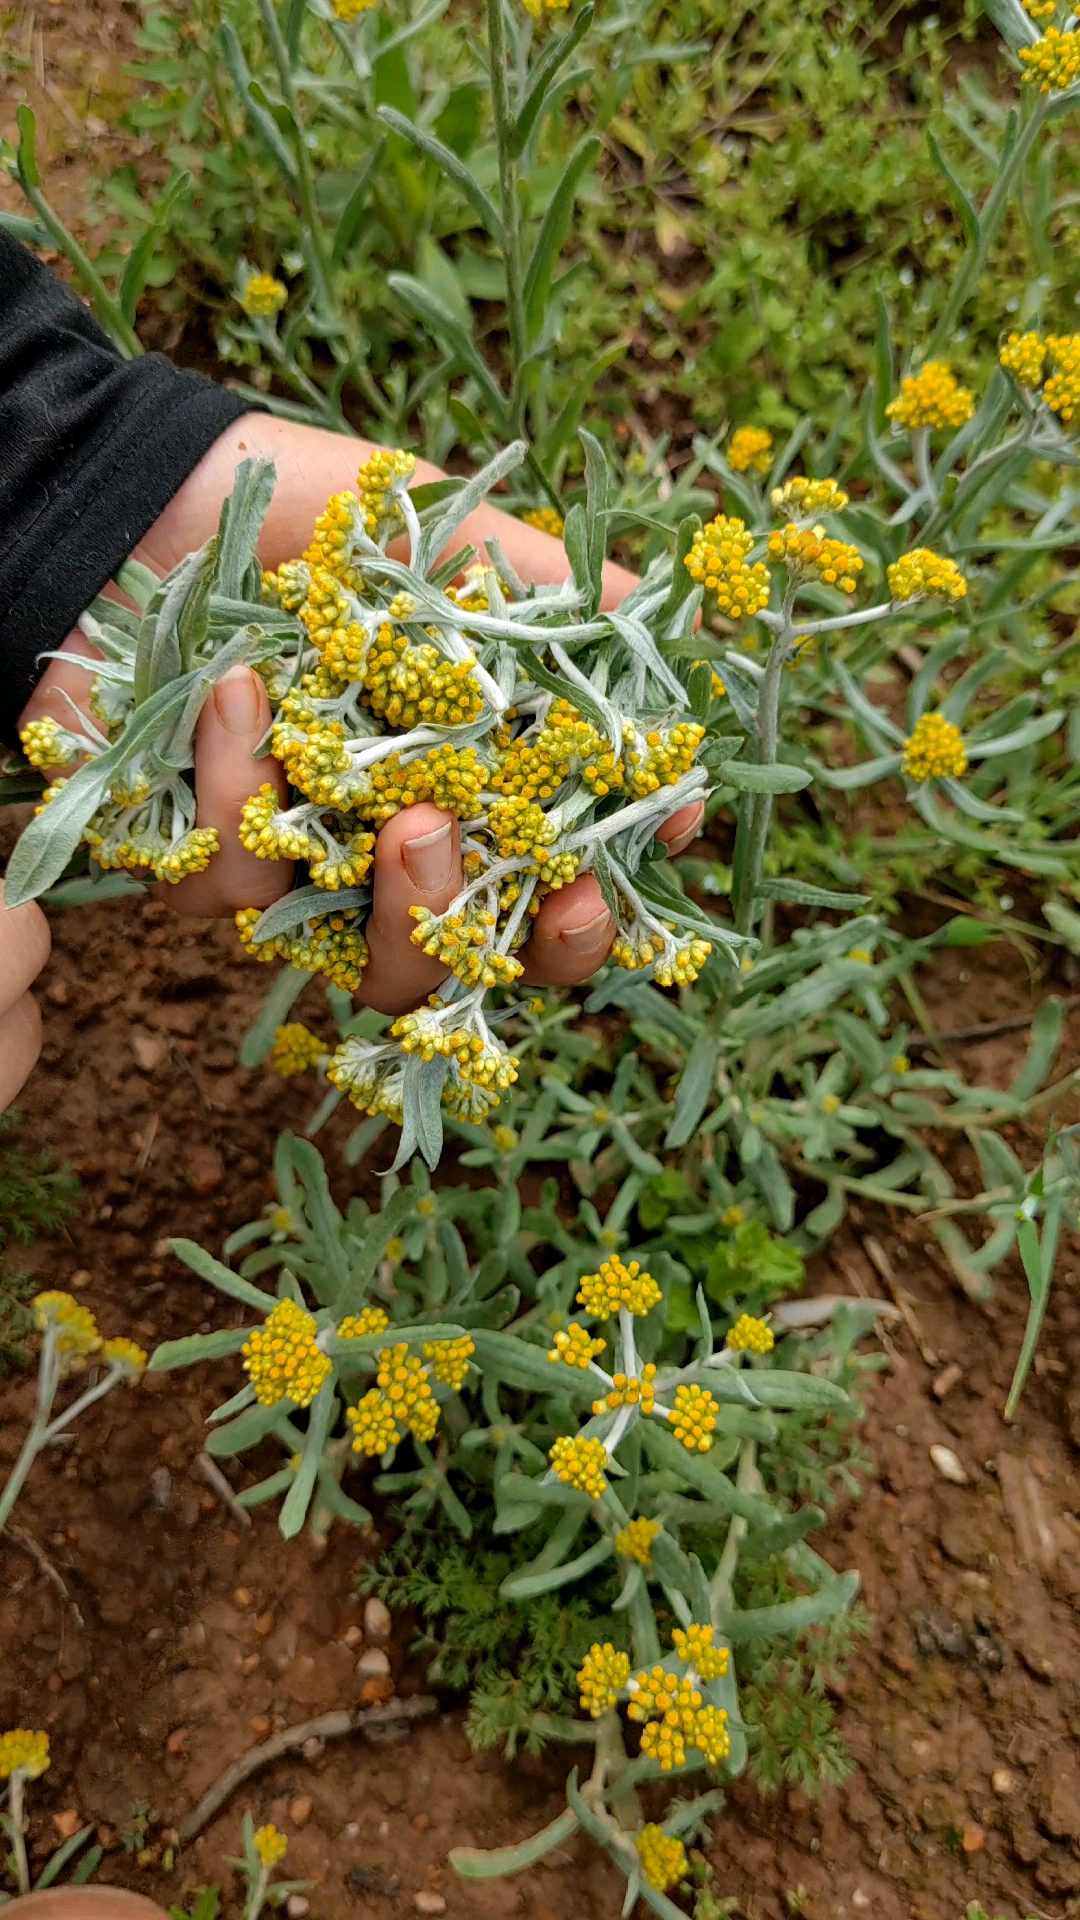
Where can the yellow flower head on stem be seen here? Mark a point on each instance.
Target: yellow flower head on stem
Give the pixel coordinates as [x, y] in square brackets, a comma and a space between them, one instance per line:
[615, 1286]
[634, 1541]
[450, 1360]
[580, 1463]
[810, 550]
[295, 1049]
[921, 572]
[935, 750]
[281, 1358]
[374, 1427]
[717, 561]
[803, 497]
[932, 397]
[748, 450]
[601, 1678]
[270, 1845]
[695, 1416]
[263, 296]
[78, 1333]
[750, 1336]
[545, 520]
[630, 1391]
[663, 1857]
[356, 1325]
[1062, 390]
[1053, 63]
[1024, 356]
[126, 1355]
[694, 1644]
[575, 1346]
[22, 1751]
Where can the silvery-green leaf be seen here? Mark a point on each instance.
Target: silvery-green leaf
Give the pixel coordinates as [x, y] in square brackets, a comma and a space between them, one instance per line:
[308, 903]
[297, 1500]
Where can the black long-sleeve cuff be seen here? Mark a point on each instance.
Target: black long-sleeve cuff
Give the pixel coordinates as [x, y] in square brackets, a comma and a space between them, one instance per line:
[92, 449]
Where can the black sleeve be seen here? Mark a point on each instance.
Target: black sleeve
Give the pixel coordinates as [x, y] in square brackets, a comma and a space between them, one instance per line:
[92, 449]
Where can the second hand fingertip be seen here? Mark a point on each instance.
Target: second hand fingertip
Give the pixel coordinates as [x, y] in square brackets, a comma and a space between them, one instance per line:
[591, 937]
[429, 859]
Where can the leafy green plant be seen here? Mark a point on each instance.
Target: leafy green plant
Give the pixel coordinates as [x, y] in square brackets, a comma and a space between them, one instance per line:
[24, 1756]
[35, 1196]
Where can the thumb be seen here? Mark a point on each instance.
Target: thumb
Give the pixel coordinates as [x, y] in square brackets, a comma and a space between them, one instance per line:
[231, 726]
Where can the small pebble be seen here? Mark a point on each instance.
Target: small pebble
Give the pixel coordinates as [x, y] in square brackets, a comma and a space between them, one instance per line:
[949, 1466]
[296, 1906]
[973, 1839]
[300, 1809]
[947, 1379]
[67, 1824]
[1003, 1782]
[353, 1635]
[243, 1596]
[264, 1625]
[377, 1621]
[384, 1829]
[373, 1665]
[250, 1661]
[161, 1487]
[859, 1898]
[178, 1740]
[352, 1831]
[260, 1725]
[427, 1902]
[313, 1748]
[421, 1821]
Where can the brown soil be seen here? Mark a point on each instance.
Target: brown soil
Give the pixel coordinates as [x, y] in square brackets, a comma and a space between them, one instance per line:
[962, 1710]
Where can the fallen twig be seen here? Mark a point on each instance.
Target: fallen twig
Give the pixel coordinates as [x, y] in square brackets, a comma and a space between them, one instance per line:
[327, 1727]
[1012, 1023]
[214, 1478]
[896, 1358]
[880, 1261]
[30, 1545]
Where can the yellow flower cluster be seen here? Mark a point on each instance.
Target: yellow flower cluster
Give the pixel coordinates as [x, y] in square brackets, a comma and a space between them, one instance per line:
[545, 520]
[462, 942]
[923, 572]
[932, 397]
[681, 967]
[401, 1398]
[270, 1845]
[25, 1752]
[1024, 356]
[695, 1414]
[748, 450]
[684, 1721]
[630, 1390]
[1062, 390]
[44, 745]
[575, 1346]
[356, 1325]
[601, 1678]
[281, 1358]
[695, 1647]
[538, 7]
[1053, 63]
[750, 1336]
[634, 1541]
[125, 1355]
[331, 944]
[935, 750]
[663, 1857]
[670, 753]
[295, 1049]
[523, 831]
[78, 1334]
[802, 497]
[615, 1286]
[450, 1359]
[810, 550]
[581, 1463]
[412, 686]
[717, 561]
[263, 296]
[375, 484]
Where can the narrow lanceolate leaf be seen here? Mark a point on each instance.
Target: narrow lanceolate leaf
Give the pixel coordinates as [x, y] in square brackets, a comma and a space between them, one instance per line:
[529, 1586]
[694, 1088]
[799, 893]
[454, 168]
[778, 778]
[553, 232]
[298, 1499]
[791, 1616]
[484, 1863]
[555, 55]
[221, 1277]
[196, 1347]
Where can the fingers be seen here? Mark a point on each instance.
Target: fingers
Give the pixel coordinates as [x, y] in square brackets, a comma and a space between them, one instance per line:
[25, 942]
[231, 725]
[571, 936]
[417, 863]
[20, 1044]
[682, 827]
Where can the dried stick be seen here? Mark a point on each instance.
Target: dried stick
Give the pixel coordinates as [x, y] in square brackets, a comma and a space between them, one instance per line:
[1013, 1023]
[214, 1478]
[327, 1727]
[30, 1546]
[879, 1259]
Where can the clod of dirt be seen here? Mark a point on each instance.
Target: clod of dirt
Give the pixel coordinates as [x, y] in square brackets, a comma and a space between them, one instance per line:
[934, 1634]
[1057, 1797]
[204, 1168]
[67, 1823]
[365, 1880]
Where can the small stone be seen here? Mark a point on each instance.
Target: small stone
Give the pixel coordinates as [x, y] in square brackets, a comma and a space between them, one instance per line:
[250, 1661]
[108, 1839]
[949, 1466]
[421, 1821]
[353, 1635]
[859, 1898]
[384, 1829]
[352, 1830]
[260, 1725]
[377, 1621]
[205, 1168]
[150, 1049]
[178, 1739]
[67, 1823]
[373, 1665]
[296, 1906]
[972, 1839]
[1003, 1781]
[427, 1902]
[59, 992]
[947, 1379]
[55, 1683]
[161, 1487]
[79, 1278]
[300, 1809]
[264, 1625]
[314, 1748]
[243, 1596]
[374, 1693]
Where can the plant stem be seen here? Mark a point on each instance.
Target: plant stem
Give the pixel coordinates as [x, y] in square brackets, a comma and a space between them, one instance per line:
[106, 308]
[509, 207]
[721, 1583]
[756, 818]
[48, 1380]
[18, 1838]
[320, 256]
[990, 219]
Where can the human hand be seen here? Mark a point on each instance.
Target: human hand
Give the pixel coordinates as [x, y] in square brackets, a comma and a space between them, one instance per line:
[24, 949]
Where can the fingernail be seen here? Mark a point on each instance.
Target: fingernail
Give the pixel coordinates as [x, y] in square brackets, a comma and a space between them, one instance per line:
[429, 861]
[688, 833]
[236, 699]
[595, 933]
